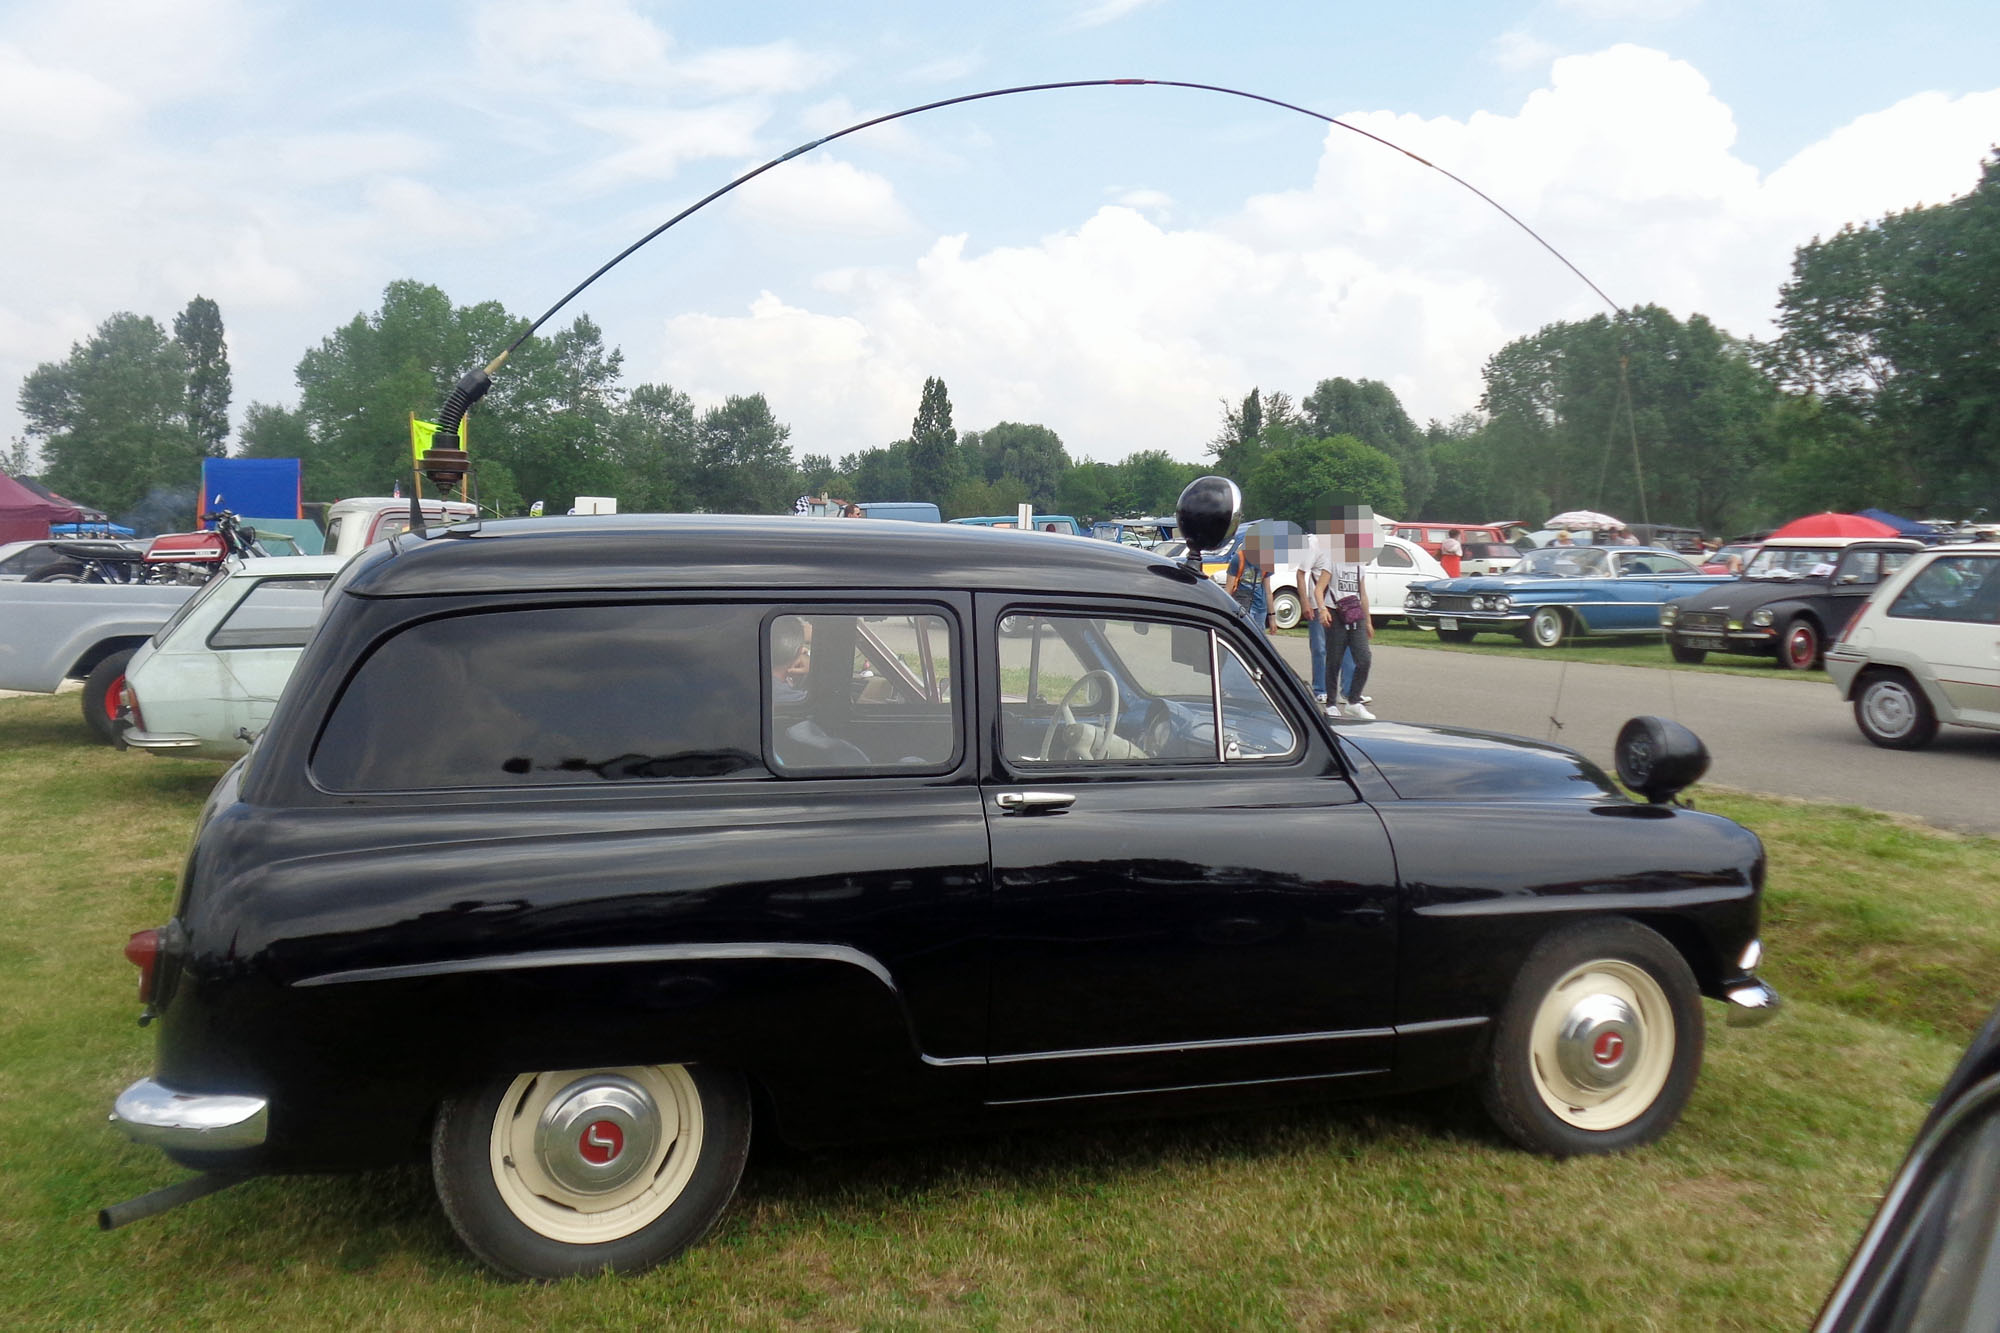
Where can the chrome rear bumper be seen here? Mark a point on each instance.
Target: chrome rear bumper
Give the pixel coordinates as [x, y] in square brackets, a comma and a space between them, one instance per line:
[160, 740]
[150, 1112]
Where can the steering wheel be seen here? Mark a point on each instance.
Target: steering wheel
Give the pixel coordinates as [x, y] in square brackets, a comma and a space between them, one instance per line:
[1065, 719]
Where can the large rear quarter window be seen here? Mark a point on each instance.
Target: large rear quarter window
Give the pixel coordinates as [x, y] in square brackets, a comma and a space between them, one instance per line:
[551, 695]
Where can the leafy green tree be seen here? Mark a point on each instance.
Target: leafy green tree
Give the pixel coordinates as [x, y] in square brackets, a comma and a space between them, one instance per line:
[270, 431]
[111, 419]
[1370, 411]
[1084, 492]
[742, 463]
[933, 455]
[1148, 482]
[555, 429]
[198, 332]
[1894, 326]
[1260, 423]
[1031, 455]
[977, 499]
[878, 474]
[1295, 482]
[652, 445]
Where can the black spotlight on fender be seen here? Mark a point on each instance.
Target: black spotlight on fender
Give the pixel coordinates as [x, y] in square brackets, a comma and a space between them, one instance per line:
[1209, 512]
[1658, 758]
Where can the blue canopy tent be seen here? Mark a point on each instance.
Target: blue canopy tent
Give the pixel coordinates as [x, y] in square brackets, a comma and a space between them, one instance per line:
[1904, 527]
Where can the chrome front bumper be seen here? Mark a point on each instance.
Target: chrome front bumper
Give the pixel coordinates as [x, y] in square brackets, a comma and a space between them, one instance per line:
[1751, 1003]
[150, 1112]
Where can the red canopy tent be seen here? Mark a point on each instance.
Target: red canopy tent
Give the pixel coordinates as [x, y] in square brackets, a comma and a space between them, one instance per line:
[25, 516]
[1835, 525]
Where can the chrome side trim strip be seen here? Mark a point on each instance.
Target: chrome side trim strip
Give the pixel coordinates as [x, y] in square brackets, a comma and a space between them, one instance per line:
[632, 953]
[150, 1112]
[1188, 1087]
[1172, 1047]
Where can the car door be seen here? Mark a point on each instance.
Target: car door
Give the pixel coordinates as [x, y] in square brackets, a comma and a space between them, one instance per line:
[1176, 903]
[1949, 617]
[1389, 577]
[1644, 581]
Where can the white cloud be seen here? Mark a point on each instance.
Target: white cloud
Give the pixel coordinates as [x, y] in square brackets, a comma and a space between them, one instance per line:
[1626, 11]
[603, 41]
[655, 143]
[1106, 11]
[1123, 333]
[822, 194]
[1518, 50]
[44, 104]
[778, 67]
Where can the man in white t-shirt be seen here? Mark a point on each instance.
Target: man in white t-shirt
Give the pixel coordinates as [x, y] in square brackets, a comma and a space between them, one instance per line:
[1337, 575]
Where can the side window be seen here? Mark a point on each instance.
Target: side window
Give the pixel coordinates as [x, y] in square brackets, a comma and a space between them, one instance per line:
[278, 613]
[550, 695]
[1076, 690]
[1962, 588]
[857, 693]
[1394, 557]
[1860, 567]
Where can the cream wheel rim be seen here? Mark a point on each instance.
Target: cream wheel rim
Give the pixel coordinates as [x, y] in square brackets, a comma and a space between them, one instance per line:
[1602, 1045]
[586, 1156]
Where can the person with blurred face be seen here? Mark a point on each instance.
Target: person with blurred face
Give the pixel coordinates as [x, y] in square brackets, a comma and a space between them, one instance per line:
[1340, 588]
[1450, 552]
[1249, 579]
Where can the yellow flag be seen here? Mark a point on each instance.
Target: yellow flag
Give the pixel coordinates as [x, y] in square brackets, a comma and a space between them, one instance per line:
[424, 433]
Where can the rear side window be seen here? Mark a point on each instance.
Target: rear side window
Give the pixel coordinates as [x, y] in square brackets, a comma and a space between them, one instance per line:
[551, 695]
[1393, 557]
[856, 693]
[1964, 588]
[278, 613]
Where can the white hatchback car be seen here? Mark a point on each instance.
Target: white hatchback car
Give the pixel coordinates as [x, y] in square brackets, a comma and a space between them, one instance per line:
[1925, 649]
[205, 684]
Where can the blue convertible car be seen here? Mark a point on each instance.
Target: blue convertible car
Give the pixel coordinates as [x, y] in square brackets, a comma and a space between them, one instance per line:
[1557, 592]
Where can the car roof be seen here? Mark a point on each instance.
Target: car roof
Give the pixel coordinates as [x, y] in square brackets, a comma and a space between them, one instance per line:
[1788, 543]
[273, 566]
[653, 551]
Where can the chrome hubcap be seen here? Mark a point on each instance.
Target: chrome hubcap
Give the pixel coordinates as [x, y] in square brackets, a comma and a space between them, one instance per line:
[597, 1134]
[1600, 1041]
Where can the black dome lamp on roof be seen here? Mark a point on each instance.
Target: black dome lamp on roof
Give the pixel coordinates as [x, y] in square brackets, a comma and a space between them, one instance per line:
[1209, 511]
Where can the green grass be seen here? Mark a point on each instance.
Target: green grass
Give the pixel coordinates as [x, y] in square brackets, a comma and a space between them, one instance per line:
[1613, 651]
[1407, 1213]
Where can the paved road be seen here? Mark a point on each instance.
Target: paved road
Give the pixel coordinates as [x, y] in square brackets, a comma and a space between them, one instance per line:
[1783, 736]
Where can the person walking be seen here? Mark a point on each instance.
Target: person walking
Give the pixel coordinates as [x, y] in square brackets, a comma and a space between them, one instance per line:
[1340, 590]
[1450, 552]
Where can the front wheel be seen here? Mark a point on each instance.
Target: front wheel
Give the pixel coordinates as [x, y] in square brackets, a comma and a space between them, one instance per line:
[1460, 635]
[1599, 1044]
[1891, 711]
[101, 691]
[575, 1171]
[1688, 656]
[1545, 628]
[1287, 610]
[1799, 649]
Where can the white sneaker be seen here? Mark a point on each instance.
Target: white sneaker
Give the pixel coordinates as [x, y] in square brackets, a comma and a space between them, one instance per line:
[1357, 712]
[1321, 698]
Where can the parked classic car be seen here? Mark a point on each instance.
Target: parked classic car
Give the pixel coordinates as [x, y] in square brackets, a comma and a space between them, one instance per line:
[53, 632]
[1557, 592]
[208, 679]
[1793, 598]
[558, 846]
[1925, 648]
[20, 559]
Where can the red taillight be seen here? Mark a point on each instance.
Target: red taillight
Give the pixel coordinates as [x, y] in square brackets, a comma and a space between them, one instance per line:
[128, 705]
[143, 952]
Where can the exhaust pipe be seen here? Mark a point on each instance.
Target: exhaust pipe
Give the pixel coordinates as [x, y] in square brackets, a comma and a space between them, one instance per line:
[160, 1200]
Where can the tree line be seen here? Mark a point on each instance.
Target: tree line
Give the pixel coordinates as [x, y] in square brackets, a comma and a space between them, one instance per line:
[1881, 386]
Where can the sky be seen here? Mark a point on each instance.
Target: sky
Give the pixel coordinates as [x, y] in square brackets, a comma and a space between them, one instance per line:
[1110, 262]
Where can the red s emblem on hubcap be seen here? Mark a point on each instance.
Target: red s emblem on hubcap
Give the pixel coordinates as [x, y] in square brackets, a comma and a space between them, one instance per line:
[601, 1142]
[1608, 1048]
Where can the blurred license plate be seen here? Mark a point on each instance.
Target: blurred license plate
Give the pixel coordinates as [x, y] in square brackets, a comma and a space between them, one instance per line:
[1712, 642]
[1447, 622]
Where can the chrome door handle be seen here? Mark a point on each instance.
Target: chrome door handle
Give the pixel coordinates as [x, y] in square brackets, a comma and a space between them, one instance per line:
[1034, 802]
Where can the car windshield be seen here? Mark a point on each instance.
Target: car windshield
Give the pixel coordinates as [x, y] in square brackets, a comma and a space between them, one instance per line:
[1566, 562]
[1791, 562]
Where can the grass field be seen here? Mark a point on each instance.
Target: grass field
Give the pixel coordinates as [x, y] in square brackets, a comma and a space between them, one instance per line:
[1647, 651]
[1401, 1214]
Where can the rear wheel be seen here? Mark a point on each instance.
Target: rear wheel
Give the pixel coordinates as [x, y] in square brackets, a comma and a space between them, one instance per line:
[101, 689]
[1799, 649]
[1891, 711]
[1688, 656]
[1599, 1044]
[1545, 628]
[62, 571]
[1286, 609]
[573, 1171]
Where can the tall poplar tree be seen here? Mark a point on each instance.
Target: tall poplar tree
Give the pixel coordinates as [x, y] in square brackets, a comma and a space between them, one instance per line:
[934, 457]
[198, 333]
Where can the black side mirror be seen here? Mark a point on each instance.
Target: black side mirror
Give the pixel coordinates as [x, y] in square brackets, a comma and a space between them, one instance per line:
[1659, 759]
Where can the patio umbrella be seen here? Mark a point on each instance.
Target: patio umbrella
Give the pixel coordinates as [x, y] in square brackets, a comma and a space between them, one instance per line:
[1572, 519]
[1834, 525]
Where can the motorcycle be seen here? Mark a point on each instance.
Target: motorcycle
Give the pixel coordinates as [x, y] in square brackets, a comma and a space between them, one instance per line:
[171, 557]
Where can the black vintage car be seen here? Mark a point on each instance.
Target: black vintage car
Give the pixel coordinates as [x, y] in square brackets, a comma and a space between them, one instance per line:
[1793, 599]
[563, 851]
